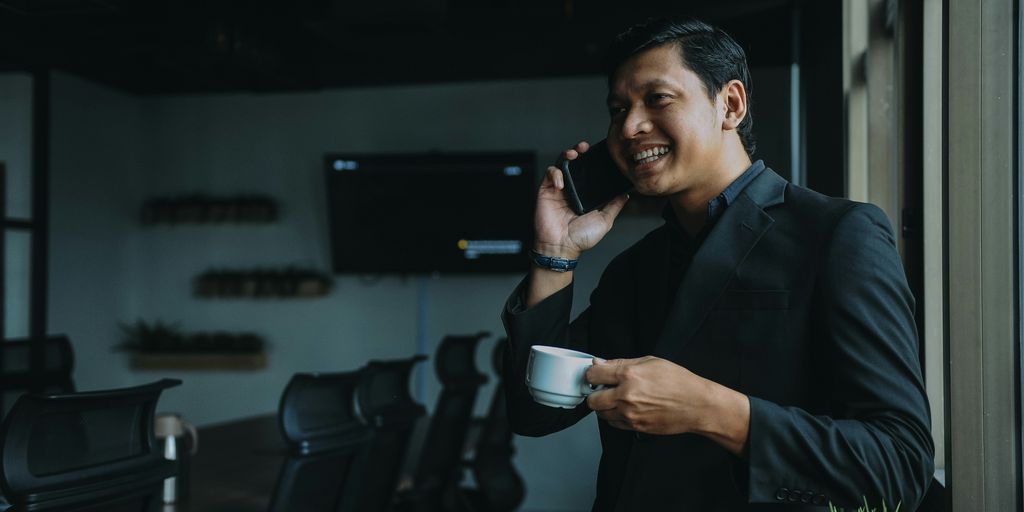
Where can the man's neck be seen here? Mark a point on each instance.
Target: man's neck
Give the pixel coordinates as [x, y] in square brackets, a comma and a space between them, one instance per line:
[691, 205]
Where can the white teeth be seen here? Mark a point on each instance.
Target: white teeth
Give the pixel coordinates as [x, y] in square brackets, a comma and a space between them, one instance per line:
[650, 154]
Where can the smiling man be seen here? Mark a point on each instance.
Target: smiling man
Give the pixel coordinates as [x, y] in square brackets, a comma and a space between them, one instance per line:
[758, 348]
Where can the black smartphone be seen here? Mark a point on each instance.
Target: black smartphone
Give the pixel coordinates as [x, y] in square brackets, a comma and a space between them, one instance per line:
[593, 179]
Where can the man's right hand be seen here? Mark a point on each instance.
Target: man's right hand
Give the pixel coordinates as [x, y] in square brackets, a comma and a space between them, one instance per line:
[560, 232]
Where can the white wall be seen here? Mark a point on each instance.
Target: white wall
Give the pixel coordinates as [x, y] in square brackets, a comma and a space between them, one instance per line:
[98, 138]
[275, 144]
[112, 151]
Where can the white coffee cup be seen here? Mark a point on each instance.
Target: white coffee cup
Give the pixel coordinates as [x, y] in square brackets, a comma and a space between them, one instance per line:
[556, 377]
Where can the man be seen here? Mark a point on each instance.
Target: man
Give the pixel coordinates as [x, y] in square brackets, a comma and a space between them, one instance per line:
[759, 347]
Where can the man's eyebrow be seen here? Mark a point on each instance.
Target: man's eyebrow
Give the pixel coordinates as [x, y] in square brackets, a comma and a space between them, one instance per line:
[653, 83]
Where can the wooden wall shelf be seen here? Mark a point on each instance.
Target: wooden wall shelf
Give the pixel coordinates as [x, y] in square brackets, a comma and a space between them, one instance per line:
[201, 209]
[199, 361]
[262, 283]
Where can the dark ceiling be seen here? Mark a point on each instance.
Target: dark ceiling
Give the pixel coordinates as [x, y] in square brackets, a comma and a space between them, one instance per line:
[168, 47]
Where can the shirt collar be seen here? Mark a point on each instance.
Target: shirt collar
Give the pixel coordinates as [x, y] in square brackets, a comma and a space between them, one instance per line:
[728, 196]
[717, 205]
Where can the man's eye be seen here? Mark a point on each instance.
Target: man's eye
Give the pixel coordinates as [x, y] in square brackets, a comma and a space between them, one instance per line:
[658, 98]
[615, 111]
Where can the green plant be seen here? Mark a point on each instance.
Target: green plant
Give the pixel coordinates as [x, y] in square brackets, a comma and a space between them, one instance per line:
[159, 337]
[865, 508]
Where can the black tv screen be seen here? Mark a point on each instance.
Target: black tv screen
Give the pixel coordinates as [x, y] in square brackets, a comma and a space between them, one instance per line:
[437, 212]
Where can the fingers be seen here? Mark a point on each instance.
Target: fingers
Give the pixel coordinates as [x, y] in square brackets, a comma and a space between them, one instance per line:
[557, 178]
[576, 151]
[620, 425]
[554, 178]
[616, 422]
[615, 418]
[606, 372]
[603, 400]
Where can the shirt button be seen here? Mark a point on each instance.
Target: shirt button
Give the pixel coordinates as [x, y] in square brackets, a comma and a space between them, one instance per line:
[782, 494]
[820, 499]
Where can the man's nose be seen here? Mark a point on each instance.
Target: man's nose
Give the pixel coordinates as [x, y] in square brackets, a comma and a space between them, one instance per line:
[636, 123]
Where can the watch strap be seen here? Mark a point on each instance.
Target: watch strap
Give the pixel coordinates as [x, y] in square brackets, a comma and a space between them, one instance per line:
[553, 263]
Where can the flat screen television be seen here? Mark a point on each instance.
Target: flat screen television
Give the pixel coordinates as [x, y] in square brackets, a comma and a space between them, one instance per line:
[434, 212]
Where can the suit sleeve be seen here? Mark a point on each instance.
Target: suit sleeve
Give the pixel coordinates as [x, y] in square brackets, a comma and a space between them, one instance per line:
[547, 323]
[874, 442]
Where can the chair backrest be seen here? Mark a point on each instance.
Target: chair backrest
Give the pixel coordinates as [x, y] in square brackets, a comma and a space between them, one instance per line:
[18, 376]
[386, 406]
[495, 476]
[326, 439]
[84, 451]
[317, 481]
[317, 412]
[383, 394]
[349, 433]
[439, 463]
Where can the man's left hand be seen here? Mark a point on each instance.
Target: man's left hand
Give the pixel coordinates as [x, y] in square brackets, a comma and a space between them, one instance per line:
[648, 394]
[656, 396]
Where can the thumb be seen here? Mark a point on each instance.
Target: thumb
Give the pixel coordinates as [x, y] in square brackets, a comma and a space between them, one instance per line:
[612, 209]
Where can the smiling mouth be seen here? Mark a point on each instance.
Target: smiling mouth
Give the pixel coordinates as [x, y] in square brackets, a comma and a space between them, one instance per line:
[650, 155]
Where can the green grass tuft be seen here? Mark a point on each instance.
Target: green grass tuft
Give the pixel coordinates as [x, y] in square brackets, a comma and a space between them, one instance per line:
[865, 508]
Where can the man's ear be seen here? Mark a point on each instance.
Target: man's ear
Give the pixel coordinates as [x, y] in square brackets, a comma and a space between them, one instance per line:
[734, 97]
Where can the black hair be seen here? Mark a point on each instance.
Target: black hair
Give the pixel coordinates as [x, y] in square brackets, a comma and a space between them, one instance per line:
[709, 52]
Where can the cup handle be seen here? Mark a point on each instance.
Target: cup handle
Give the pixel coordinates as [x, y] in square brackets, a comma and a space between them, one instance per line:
[195, 436]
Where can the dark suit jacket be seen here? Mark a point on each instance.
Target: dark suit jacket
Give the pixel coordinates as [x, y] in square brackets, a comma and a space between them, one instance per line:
[797, 300]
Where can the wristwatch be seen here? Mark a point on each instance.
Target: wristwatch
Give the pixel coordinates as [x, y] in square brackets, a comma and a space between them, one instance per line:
[552, 262]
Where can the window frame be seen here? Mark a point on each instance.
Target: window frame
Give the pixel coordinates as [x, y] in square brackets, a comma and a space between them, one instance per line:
[982, 338]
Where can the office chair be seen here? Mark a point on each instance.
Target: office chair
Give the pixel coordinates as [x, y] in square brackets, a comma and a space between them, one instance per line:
[18, 376]
[324, 436]
[386, 407]
[438, 473]
[84, 452]
[499, 488]
[349, 433]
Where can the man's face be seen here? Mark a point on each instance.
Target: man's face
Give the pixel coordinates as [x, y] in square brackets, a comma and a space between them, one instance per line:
[665, 133]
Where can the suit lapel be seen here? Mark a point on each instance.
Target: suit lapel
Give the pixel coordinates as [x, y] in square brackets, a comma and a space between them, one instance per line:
[727, 245]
